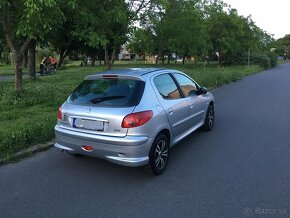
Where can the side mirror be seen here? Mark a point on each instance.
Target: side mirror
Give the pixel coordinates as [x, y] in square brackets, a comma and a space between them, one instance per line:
[202, 91]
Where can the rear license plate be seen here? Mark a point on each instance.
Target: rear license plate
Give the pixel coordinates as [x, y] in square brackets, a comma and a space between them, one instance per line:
[88, 124]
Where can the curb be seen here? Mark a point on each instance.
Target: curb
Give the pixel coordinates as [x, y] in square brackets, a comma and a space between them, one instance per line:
[27, 152]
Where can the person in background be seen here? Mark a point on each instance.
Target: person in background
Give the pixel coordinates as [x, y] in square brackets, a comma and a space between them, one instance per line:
[42, 66]
[52, 61]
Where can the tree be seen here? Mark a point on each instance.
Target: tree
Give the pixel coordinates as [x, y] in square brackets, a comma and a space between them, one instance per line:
[31, 58]
[185, 28]
[232, 35]
[171, 27]
[142, 41]
[62, 38]
[103, 24]
[283, 45]
[23, 20]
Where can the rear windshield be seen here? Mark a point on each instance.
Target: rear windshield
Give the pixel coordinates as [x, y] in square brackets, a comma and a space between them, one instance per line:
[108, 92]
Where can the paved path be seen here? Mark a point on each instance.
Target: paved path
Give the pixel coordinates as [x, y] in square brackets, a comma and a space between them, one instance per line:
[3, 78]
[241, 168]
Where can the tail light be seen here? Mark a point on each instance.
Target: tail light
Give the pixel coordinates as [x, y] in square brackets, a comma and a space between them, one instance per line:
[59, 114]
[136, 119]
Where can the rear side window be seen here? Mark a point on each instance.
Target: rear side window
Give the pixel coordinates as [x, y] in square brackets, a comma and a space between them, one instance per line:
[186, 84]
[108, 92]
[166, 87]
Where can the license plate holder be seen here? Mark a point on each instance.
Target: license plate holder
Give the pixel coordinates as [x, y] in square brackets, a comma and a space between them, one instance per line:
[88, 124]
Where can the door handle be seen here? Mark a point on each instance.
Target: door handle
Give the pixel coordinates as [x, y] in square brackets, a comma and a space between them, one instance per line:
[191, 104]
[170, 111]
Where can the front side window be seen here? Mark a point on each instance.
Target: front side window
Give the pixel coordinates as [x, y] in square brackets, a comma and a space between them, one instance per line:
[186, 84]
[166, 87]
[108, 92]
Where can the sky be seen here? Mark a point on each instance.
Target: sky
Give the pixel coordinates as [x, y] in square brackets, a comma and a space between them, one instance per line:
[271, 16]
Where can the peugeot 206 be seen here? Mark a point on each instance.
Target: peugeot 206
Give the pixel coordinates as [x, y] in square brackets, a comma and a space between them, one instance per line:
[132, 117]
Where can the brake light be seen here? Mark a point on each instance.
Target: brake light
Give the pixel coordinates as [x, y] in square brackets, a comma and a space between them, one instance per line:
[136, 119]
[59, 114]
[110, 76]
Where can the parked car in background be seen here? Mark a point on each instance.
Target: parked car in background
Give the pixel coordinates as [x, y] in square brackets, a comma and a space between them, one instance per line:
[132, 117]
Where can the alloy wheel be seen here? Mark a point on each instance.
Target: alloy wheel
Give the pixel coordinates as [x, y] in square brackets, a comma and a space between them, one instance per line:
[161, 154]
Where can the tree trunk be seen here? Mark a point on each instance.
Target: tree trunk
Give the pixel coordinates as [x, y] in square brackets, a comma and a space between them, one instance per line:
[31, 59]
[168, 58]
[106, 59]
[60, 60]
[158, 56]
[183, 59]
[17, 52]
[163, 59]
[219, 57]
[93, 60]
[109, 62]
[63, 54]
[18, 72]
[113, 57]
[25, 59]
[156, 59]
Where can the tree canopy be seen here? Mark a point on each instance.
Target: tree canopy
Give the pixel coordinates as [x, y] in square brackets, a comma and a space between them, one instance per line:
[156, 27]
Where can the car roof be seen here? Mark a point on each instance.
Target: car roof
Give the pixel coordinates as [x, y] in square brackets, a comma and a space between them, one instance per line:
[132, 71]
[129, 73]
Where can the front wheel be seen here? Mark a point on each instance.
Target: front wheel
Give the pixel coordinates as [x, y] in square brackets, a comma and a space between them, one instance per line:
[209, 119]
[158, 155]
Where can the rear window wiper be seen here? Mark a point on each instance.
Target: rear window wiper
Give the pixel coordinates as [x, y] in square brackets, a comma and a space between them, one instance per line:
[107, 98]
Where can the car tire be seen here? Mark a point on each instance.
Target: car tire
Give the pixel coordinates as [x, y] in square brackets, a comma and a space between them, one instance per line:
[158, 155]
[209, 118]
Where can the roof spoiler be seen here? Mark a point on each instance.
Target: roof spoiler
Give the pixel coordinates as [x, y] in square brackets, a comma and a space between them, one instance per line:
[113, 76]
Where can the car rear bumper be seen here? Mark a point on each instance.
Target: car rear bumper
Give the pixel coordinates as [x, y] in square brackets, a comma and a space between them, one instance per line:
[128, 151]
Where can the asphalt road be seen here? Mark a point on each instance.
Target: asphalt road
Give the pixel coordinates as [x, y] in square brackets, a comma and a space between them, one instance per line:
[240, 169]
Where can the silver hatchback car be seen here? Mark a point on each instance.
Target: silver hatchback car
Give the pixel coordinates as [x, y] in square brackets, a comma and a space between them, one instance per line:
[133, 116]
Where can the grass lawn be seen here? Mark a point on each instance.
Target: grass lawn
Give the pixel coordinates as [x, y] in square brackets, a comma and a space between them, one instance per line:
[6, 70]
[29, 117]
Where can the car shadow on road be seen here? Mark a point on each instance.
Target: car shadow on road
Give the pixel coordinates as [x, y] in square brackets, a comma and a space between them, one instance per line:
[183, 155]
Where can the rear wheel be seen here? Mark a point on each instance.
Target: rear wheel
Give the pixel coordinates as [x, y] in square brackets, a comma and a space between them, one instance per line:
[158, 155]
[209, 119]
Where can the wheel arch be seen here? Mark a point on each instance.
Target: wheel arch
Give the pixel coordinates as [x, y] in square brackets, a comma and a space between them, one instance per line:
[165, 132]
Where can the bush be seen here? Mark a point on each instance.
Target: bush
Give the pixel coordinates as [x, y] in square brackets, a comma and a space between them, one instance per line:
[236, 59]
[265, 60]
[273, 59]
[5, 58]
[261, 59]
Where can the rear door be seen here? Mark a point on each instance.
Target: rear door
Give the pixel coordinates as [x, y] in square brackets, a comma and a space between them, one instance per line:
[197, 103]
[176, 107]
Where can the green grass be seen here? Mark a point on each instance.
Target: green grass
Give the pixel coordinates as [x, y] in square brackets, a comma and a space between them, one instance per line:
[6, 70]
[29, 117]
[283, 62]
